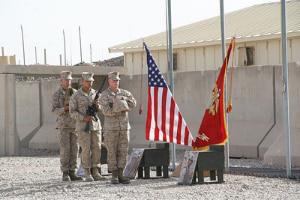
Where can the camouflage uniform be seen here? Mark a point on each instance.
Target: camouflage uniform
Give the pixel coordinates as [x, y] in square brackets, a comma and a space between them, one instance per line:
[89, 141]
[67, 137]
[115, 107]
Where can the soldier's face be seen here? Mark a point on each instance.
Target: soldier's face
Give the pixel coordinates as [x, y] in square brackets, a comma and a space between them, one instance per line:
[87, 84]
[113, 84]
[65, 83]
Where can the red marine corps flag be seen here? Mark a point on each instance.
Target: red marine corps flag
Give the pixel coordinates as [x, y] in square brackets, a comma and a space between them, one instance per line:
[164, 120]
[213, 128]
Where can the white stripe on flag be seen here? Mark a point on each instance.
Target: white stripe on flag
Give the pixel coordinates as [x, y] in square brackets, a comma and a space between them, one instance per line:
[168, 104]
[182, 131]
[152, 127]
[175, 124]
[159, 113]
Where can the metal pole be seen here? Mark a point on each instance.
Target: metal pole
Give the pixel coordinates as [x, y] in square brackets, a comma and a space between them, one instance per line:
[80, 45]
[170, 67]
[35, 55]
[285, 75]
[2, 49]
[45, 57]
[23, 45]
[65, 52]
[60, 60]
[222, 21]
[91, 53]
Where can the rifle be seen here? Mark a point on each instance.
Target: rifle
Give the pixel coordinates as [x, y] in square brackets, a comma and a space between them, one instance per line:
[68, 94]
[92, 110]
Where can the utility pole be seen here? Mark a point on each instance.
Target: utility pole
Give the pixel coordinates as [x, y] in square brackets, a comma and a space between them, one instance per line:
[65, 52]
[35, 54]
[91, 53]
[80, 45]
[45, 57]
[23, 45]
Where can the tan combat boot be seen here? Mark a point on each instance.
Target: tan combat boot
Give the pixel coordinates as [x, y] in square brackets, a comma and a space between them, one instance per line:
[87, 175]
[114, 178]
[73, 176]
[122, 179]
[66, 176]
[96, 175]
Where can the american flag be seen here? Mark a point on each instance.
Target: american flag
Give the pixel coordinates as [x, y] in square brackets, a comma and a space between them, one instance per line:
[164, 121]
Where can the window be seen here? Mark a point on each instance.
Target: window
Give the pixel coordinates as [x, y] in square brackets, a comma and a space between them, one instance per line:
[250, 55]
[174, 61]
[246, 56]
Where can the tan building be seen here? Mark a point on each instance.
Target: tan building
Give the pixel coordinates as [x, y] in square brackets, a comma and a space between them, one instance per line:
[197, 46]
[8, 60]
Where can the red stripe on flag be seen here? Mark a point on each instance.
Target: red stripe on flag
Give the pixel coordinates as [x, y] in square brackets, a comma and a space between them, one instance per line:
[149, 115]
[186, 136]
[163, 113]
[156, 132]
[172, 108]
[179, 128]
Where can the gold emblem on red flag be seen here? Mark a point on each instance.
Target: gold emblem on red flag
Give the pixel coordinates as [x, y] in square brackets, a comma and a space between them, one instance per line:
[203, 137]
[213, 108]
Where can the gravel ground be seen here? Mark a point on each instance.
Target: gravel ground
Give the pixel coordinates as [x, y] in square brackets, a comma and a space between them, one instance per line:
[39, 177]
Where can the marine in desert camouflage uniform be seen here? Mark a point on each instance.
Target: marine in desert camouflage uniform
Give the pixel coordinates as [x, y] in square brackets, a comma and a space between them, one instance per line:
[89, 140]
[116, 103]
[66, 125]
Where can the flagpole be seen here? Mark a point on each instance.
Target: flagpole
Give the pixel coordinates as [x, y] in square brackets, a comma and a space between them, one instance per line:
[170, 67]
[222, 21]
[285, 70]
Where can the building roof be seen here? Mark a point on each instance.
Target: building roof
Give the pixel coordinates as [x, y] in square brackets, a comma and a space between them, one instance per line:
[112, 62]
[257, 22]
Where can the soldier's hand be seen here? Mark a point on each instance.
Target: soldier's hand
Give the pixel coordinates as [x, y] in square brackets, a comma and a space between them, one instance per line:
[87, 119]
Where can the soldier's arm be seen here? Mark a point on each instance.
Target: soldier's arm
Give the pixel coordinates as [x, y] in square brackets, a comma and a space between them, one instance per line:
[130, 100]
[73, 109]
[55, 104]
[106, 106]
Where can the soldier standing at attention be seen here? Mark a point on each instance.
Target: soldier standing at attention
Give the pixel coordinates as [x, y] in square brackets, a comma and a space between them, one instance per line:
[67, 137]
[115, 104]
[89, 139]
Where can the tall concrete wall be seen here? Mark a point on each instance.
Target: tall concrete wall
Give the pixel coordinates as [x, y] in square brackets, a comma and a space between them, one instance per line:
[255, 125]
[9, 140]
[46, 137]
[27, 107]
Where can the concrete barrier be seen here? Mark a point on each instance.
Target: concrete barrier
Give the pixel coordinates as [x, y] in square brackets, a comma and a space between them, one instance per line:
[46, 137]
[254, 125]
[27, 107]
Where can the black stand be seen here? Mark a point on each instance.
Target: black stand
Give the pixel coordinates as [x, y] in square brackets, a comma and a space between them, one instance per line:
[213, 161]
[158, 157]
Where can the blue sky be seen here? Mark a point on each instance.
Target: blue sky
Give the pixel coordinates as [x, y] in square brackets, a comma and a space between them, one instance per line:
[104, 23]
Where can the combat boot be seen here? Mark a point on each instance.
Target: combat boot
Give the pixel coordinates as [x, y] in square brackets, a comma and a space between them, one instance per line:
[73, 176]
[114, 178]
[122, 179]
[96, 175]
[66, 176]
[87, 175]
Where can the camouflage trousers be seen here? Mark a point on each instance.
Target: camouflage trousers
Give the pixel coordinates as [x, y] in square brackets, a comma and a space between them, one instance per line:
[117, 147]
[90, 144]
[68, 148]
